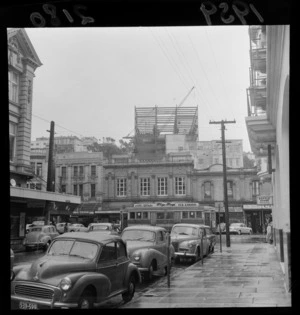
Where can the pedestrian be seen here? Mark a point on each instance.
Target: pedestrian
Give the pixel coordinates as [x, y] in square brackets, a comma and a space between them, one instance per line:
[269, 236]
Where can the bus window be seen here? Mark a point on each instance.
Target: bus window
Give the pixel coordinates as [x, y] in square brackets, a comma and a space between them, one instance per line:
[192, 214]
[138, 215]
[160, 215]
[170, 215]
[199, 214]
[132, 215]
[145, 215]
[184, 214]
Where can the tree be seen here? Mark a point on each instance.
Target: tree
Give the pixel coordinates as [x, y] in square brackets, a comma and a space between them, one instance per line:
[108, 149]
[126, 147]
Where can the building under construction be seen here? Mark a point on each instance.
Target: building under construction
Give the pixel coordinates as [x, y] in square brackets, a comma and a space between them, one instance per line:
[153, 124]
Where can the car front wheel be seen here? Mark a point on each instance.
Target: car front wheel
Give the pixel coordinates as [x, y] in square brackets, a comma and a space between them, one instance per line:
[128, 295]
[86, 300]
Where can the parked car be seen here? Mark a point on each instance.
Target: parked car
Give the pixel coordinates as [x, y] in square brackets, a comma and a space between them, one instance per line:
[103, 227]
[148, 249]
[77, 227]
[60, 227]
[239, 228]
[186, 240]
[40, 237]
[34, 223]
[79, 270]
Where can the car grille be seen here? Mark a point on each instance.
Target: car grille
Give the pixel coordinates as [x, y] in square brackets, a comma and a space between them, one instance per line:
[34, 292]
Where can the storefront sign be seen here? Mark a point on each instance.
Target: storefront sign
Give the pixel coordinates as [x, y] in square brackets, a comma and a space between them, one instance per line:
[250, 207]
[264, 200]
[167, 204]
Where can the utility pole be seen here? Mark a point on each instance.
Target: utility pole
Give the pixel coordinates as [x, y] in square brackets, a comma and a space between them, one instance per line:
[223, 122]
[50, 177]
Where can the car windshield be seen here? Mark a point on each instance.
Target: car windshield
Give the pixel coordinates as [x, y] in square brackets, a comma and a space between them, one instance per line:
[73, 248]
[235, 224]
[138, 235]
[184, 230]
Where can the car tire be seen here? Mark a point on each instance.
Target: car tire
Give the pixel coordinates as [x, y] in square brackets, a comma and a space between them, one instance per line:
[86, 300]
[128, 295]
[150, 272]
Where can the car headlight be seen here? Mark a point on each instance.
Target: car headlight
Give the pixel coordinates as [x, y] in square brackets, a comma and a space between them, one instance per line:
[65, 284]
[12, 275]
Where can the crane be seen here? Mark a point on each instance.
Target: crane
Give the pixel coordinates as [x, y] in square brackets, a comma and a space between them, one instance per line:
[186, 97]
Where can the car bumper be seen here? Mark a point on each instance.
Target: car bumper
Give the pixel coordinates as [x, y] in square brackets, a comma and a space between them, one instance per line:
[184, 254]
[15, 301]
[34, 245]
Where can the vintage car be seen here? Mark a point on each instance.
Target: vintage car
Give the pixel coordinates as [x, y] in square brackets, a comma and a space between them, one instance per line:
[239, 228]
[40, 237]
[60, 227]
[186, 240]
[34, 223]
[77, 227]
[79, 270]
[103, 227]
[148, 249]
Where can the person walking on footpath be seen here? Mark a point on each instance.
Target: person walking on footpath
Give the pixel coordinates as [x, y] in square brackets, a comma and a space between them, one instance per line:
[269, 236]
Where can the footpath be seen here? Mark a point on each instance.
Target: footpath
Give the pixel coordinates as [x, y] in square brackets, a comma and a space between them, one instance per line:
[246, 274]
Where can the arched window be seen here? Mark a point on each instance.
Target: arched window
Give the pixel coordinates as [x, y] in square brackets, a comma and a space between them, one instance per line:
[207, 190]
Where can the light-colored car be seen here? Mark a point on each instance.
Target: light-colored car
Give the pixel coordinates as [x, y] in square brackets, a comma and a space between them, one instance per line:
[40, 237]
[34, 223]
[61, 227]
[103, 227]
[148, 249]
[77, 227]
[186, 240]
[79, 270]
[239, 228]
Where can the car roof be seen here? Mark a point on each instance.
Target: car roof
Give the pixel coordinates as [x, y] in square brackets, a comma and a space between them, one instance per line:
[100, 223]
[145, 227]
[98, 237]
[192, 225]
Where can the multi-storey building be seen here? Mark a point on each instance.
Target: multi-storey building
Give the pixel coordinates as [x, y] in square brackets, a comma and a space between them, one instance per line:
[26, 204]
[80, 174]
[268, 127]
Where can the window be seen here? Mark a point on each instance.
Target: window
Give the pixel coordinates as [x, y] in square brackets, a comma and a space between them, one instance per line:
[108, 252]
[160, 236]
[12, 140]
[185, 214]
[145, 186]
[63, 172]
[75, 171]
[75, 190]
[121, 250]
[39, 169]
[230, 189]
[169, 215]
[207, 190]
[138, 215]
[192, 214]
[132, 215]
[81, 170]
[121, 187]
[145, 215]
[255, 188]
[81, 190]
[179, 186]
[198, 214]
[237, 163]
[63, 188]
[93, 190]
[160, 215]
[13, 79]
[162, 186]
[93, 170]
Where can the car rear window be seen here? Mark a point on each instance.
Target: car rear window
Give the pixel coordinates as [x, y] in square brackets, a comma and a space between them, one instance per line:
[35, 229]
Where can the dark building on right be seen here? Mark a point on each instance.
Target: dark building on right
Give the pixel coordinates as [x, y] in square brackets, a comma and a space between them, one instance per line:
[268, 127]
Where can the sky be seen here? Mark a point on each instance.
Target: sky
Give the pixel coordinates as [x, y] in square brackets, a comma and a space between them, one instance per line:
[92, 79]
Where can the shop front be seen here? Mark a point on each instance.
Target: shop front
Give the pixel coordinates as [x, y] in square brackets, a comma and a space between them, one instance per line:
[257, 217]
